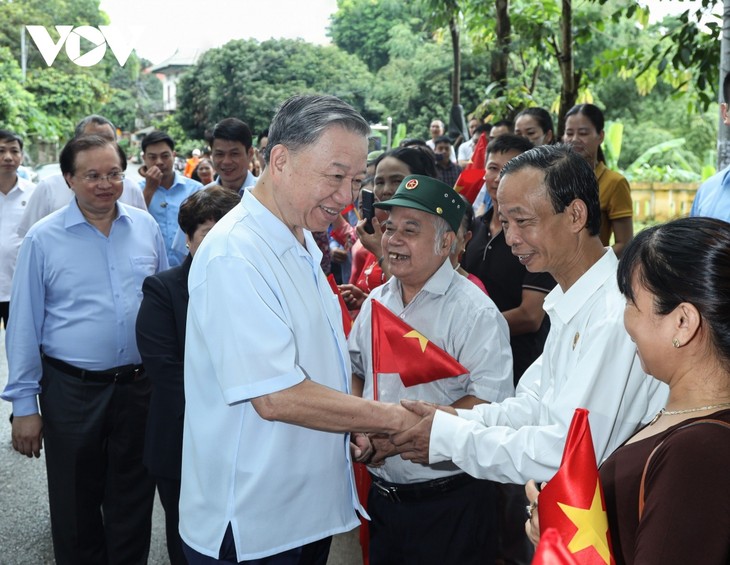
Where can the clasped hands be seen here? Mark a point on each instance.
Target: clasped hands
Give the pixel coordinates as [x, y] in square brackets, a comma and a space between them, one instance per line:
[411, 441]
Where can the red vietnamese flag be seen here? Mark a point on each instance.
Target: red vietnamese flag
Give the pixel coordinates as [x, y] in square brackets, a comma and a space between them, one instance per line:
[398, 348]
[572, 502]
[471, 179]
[552, 551]
[346, 320]
[479, 157]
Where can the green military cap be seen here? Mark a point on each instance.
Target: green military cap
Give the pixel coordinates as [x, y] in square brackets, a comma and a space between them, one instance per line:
[428, 195]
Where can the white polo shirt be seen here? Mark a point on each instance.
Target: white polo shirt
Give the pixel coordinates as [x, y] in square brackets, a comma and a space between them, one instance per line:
[261, 318]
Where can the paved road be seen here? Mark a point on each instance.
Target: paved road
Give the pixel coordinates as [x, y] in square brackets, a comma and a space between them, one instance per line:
[25, 530]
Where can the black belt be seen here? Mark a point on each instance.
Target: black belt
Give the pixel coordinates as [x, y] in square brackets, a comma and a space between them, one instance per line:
[418, 491]
[118, 375]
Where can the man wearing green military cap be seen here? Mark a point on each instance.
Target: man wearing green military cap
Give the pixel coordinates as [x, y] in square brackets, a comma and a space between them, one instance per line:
[431, 513]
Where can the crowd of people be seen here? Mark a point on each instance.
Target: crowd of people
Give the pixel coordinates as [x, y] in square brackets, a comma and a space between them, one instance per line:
[181, 335]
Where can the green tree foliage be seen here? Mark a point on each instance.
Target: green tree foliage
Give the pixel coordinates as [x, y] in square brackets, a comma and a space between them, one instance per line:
[54, 98]
[18, 108]
[248, 80]
[133, 95]
[362, 27]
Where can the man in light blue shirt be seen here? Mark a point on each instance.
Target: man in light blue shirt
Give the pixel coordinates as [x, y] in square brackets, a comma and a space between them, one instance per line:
[713, 197]
[71, 346]
[53, 192]
[232, 151]
[266, 469]
[164, 189]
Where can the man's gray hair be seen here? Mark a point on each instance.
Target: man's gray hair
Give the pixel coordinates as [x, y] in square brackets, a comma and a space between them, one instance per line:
[93, 119]
[301, 120]
[442, 228]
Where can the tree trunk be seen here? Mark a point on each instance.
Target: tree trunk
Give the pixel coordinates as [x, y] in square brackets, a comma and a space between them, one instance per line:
[571, 79]
[500, 55]
[455, 46]
[723, 131]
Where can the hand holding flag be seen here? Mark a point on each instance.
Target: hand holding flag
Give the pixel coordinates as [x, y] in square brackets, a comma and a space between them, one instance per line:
[471, 179]
[572, 502]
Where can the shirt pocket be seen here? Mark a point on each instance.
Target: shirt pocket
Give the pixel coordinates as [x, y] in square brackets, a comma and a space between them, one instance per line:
[142, 267]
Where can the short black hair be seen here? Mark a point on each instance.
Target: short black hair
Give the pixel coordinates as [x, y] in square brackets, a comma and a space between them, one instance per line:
[442, 139]
[157, 136]
[233, 129]
[6, 135]
[509, 142]
[568, 177]
[208, 204]
[483, 128]
[76, 145]
[507, 123]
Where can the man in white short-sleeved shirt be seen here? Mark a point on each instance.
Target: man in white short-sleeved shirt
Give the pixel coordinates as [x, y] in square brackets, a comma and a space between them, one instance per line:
[266, 468]
[15, 192]
[548, 204]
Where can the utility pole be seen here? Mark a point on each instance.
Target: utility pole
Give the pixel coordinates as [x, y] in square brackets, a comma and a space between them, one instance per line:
[723, 131]
[23, 53]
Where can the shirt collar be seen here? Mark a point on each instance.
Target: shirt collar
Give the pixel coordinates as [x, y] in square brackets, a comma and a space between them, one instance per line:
[279, 237]
[74, 217]
[437, 284]
[178, 179]
[249, 181]
[568, 304]
[21, 184]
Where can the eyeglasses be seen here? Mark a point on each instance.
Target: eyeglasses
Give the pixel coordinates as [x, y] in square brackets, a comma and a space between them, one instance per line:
[95, 178]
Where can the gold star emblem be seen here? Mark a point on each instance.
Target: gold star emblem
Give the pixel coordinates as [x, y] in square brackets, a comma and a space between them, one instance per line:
[423, 340]
[592, 525]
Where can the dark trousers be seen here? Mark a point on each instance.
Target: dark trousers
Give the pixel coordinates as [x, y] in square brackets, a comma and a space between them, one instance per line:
[458, 526]
[99, 492]
[315, 553]
[169, 491]
[515, 548]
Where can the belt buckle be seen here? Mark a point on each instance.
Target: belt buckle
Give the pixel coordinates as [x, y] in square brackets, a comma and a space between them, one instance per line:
[391, 493]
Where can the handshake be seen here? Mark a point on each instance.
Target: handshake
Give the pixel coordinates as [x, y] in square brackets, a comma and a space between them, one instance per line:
[411, 441]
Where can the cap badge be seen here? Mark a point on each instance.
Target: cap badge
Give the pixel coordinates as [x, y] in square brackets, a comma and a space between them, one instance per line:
[411, 184]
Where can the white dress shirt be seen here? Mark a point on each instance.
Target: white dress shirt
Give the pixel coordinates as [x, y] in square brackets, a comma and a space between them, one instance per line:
[12, 206]
[589, 362]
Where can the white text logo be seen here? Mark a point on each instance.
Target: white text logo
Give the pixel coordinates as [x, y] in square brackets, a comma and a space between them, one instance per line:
[71, 36]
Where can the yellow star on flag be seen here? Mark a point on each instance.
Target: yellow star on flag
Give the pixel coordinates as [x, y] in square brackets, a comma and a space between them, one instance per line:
[592, 524]
[423, 340]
